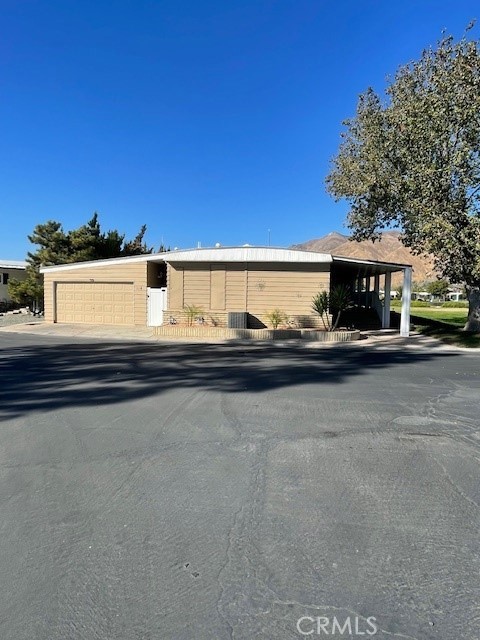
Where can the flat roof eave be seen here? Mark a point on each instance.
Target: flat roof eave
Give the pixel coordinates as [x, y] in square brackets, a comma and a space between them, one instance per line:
[216, 254]
[13, 264]
[144, 257]
[375, 266]
[248, 253]
[234, 254]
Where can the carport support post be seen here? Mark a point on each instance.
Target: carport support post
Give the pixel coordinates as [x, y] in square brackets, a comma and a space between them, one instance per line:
[406, 298]
[376, 295]
[386, 301]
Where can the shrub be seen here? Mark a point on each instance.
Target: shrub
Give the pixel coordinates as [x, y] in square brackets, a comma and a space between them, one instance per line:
[452, 304]
[413, 303]
[192, 312]
[276, 317]
[419, 303]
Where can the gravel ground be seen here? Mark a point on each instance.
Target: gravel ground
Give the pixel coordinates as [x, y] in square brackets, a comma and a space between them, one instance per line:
[18, 318]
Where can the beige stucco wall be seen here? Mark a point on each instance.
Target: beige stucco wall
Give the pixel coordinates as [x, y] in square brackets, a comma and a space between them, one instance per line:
[135, 273]
[216, 288]
[255, 287]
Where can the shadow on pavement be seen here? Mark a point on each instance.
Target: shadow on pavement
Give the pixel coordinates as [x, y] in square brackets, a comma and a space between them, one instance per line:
[44, 377]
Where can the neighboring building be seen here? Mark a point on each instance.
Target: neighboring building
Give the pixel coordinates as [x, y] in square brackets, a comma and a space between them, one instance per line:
[10, 269]
[423, 296]
[455, 296]
[156, 288]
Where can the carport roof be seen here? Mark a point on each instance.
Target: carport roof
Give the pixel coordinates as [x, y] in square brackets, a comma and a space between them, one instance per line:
[369, 267]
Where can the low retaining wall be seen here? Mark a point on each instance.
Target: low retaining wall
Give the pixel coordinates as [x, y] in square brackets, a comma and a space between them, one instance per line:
[330, 336]
[176, 331]
[219, 319]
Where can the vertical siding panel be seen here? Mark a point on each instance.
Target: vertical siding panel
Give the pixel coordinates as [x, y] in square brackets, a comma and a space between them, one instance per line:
[175, 287]
[197, 286]
[217, 287]
[287, 287]
[235, 291]
[48, 298]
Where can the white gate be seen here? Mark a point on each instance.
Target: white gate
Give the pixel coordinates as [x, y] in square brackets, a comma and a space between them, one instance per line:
[157, 303]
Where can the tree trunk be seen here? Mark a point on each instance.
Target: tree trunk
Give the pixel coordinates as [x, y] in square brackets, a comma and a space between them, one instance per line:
[335, 325]
[473, 320]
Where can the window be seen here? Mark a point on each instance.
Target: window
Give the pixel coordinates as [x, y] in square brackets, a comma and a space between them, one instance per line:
[4, 278]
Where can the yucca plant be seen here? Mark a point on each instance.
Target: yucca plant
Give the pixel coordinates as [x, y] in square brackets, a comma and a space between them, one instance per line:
[330, 306]
[340, 300]
[320, 304]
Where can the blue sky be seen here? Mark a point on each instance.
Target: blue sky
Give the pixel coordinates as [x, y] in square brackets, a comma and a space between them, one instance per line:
[209, 121]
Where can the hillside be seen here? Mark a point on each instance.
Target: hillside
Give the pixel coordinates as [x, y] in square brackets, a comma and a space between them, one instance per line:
[388, 249]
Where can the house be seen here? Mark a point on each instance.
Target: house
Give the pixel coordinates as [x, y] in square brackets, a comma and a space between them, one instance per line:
[158, 288]
[455, 295]
[423, 296]
[10, 269]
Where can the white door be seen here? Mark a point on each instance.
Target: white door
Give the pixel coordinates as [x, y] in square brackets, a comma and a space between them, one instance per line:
[157, 303]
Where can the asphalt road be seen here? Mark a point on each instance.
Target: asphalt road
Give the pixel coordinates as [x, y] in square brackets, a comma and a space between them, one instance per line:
[198, 492]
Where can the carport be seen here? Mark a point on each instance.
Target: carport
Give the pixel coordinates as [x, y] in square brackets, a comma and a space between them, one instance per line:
[366, 279]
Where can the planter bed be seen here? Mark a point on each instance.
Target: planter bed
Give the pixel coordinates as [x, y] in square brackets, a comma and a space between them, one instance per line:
[179, 331]
[343, 335]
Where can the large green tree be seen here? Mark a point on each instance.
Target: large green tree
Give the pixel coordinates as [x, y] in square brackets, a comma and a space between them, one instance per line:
[28, 291]
[55, 246]
[411, 160]
[438, 288]
[85, 242]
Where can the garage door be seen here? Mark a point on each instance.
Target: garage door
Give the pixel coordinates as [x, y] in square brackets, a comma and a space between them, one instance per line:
[95, 302]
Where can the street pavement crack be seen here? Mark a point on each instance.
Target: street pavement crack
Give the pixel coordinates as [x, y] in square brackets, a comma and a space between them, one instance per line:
[454, 485]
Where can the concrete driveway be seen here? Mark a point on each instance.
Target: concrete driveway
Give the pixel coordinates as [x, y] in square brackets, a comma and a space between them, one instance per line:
[194, 492]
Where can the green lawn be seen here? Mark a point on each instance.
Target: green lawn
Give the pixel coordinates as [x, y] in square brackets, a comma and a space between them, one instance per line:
[440, 314]
[445, 324]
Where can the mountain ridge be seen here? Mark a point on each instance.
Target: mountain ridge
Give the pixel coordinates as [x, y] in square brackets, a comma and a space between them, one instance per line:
[388, 249]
